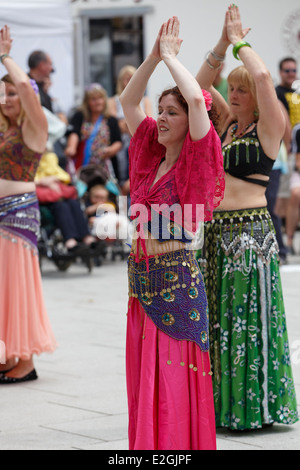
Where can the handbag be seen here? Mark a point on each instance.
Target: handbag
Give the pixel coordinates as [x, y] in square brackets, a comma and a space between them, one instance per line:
[47, 195]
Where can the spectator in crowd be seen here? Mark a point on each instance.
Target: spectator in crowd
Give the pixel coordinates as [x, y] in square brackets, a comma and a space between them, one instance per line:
[285, 91]
[293, 208]
[94, 136]
[290, 99]
[40, 67]
[279, 170]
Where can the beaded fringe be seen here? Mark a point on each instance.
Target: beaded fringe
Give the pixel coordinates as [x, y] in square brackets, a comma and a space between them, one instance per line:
[247, 141]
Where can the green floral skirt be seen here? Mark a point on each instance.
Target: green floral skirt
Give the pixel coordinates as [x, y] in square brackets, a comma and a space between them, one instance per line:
[253, 381]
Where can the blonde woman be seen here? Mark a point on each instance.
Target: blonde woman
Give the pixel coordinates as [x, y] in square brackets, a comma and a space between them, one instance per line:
[253, 381]
[94, 137]
[24, 326]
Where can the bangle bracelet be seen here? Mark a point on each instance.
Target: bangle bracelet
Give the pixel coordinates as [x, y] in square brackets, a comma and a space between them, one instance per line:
[210, 65]
[3, 56]
[219, 58]
[237, 47]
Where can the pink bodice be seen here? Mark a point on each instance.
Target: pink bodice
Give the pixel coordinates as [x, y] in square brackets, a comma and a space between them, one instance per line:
[196, 180]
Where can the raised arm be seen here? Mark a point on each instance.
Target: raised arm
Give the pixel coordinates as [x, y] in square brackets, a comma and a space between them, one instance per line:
[199, 123]
[208, 72]
[134, 91]
[271, 124]
[35, 118]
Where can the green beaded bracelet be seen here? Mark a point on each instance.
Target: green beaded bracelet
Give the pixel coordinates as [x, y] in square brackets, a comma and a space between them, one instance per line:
[238, 46]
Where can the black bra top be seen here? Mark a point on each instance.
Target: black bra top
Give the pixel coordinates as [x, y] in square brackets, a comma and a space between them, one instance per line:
[245, 156]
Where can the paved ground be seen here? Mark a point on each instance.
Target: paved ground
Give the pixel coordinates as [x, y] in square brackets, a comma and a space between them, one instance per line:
[79, 401]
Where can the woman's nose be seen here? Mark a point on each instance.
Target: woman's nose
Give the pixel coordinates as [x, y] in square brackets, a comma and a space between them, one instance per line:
[162, 115]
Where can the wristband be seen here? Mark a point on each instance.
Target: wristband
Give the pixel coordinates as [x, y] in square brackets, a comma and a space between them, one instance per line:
[3, 56]
[211, 66]
[219, 58]
[237, 47]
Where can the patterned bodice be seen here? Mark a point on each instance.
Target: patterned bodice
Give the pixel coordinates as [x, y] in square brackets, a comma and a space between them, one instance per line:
[17, 161]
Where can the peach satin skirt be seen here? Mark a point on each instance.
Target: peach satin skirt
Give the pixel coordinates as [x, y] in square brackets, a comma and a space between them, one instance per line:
[24, 324]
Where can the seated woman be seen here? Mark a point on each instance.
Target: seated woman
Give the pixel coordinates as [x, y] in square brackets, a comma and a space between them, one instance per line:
[94, 136]
[52, 187]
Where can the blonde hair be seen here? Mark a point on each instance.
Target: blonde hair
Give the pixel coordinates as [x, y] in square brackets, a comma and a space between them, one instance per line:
[4, 122]
[127, 69]
[241, 76]
[92, 91]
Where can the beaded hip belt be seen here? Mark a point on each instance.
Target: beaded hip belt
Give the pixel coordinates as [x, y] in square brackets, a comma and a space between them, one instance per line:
[237, 232]
[20, 217]
[172, 294]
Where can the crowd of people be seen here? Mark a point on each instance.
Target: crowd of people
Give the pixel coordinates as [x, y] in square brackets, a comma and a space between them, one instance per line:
[207, 342]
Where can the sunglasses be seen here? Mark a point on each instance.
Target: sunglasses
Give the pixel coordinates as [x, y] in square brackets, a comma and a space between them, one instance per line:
[289, 70]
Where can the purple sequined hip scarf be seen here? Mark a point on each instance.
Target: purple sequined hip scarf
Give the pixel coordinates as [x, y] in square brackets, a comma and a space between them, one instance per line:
[20, 218]
[172, 293]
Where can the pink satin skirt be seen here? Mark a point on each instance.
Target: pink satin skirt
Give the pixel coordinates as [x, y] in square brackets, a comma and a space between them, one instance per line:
[24, 325]
[170, 395]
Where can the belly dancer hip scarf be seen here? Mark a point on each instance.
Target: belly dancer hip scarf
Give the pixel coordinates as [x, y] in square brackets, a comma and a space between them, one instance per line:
[20, 218]
[172, 294]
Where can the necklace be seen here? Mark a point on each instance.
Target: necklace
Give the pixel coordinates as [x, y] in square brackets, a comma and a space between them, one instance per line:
[240, 134]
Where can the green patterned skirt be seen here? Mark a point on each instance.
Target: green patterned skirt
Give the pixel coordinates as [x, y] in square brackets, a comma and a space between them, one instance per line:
[253, 381]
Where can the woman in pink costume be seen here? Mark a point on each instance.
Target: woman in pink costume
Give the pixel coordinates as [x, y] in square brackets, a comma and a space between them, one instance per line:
[24, 325]
[176, 180]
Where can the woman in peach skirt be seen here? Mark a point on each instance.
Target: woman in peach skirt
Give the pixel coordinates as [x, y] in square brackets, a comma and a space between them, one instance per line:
[24, 325]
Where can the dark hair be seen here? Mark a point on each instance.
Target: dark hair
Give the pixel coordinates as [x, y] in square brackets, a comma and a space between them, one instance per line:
[35, 58]
[213, 114]
[286, 59]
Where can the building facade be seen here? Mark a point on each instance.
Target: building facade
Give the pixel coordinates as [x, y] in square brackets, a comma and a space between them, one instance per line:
[90, 40]
[111, 33]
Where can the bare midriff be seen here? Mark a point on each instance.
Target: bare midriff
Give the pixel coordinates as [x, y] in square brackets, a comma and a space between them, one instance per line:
[241, 194]
[10, 188]
[154, 247]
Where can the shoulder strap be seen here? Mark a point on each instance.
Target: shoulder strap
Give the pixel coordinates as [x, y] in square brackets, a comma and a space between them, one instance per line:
[90, 140]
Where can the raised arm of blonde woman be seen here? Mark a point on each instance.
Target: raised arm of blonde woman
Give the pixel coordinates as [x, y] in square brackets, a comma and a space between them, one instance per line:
[271, 122]
[208, 72]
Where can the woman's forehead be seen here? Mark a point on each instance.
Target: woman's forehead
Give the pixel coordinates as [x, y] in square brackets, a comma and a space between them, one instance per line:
[168, 100]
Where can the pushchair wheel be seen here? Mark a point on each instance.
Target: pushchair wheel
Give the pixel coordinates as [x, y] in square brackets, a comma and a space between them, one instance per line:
[62, 264]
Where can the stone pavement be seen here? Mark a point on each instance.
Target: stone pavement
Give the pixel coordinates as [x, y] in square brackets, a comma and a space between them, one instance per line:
[79, 401]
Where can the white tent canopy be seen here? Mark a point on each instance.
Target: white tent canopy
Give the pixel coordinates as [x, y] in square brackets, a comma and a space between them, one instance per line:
[44, 25]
